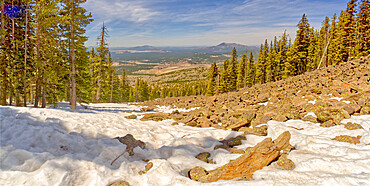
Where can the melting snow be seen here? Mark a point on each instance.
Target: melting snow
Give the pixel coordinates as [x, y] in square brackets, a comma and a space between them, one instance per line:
[75, 147]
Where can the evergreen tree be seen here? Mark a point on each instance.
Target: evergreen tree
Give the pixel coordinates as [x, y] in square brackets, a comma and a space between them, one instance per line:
[321, 44]
[232, 71]
[213, 73]
[301, 45]
[341, 50]
[102, 68]
[124, 87]
[251, 71]
[312, 60]
[261, 64]
[223, 87]
[363, 28]
[281, 56]
[334, 42]
[271, 64]
[241, 72]
[290, 60]
[77, 20]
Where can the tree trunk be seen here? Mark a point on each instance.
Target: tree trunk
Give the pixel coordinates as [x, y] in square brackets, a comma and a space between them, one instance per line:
[111, 90]
[38, 69]
[25, 63]
[37, 93]
[43, 100]
[31, 92]
[11, 87]
[324, 53]
[74, 95]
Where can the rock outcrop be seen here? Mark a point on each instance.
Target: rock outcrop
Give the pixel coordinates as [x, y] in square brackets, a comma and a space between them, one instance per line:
[332, 93]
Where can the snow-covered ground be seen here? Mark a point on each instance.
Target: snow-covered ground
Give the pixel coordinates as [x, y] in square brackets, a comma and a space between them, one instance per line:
[76, 147]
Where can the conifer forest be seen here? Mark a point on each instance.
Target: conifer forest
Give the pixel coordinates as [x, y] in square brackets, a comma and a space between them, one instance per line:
[43, 59]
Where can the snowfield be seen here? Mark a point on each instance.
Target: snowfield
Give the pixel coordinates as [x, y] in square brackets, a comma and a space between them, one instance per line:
[76, 147]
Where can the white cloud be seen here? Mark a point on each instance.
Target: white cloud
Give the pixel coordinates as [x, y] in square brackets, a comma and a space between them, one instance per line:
[132, 11]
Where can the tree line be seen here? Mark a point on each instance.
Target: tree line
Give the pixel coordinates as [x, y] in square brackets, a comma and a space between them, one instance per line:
[338, 40]
[43, 57]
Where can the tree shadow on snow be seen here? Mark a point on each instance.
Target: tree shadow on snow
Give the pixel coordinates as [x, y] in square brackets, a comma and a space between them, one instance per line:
[25, 137]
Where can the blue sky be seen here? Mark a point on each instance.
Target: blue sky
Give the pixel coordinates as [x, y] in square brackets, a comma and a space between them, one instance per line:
[202, 22]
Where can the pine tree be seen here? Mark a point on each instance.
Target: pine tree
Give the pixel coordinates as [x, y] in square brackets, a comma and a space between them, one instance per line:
[223, 87]
[322, 42]
[334, 42]
[77, 21]
[271, 64]
[213, 73]
[261, 64]
[3, 65]
[341, 49]
[102, 67]
[363, 29]
[124, 87]
[241, 72]
[251, 71]
[301, 45]
[290, 60]
[312, 60]
[281, 56]
[346, 33]
[232, 71]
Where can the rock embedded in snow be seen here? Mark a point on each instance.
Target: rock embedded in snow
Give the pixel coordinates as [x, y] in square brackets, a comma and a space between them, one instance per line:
[133, 116]
[310, 118]
[352, 126]
[328, 123]
[148, 166]
[203, 156]
[255, 158]
[131, 143]
[285, 163]
[258, 131]
[158, 116]
[336, 114]
[348, 139]
[120, 183]
[231, 142]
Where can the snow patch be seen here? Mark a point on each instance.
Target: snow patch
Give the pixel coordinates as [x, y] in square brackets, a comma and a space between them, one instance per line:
[76, 147]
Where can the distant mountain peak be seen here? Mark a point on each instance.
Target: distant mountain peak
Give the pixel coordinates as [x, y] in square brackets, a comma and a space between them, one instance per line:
[144, 47]
[231, 44]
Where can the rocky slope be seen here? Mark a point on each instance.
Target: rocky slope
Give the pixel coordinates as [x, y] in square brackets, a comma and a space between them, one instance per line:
[327, 96]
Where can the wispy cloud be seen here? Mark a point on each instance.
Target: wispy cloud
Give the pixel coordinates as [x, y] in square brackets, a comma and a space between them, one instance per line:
[132, 11]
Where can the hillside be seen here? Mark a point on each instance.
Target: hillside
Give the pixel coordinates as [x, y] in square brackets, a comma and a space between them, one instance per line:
[174, 74]
[327, 96]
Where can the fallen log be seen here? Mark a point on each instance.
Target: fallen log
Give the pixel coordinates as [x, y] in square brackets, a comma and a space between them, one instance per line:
[242, 168]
